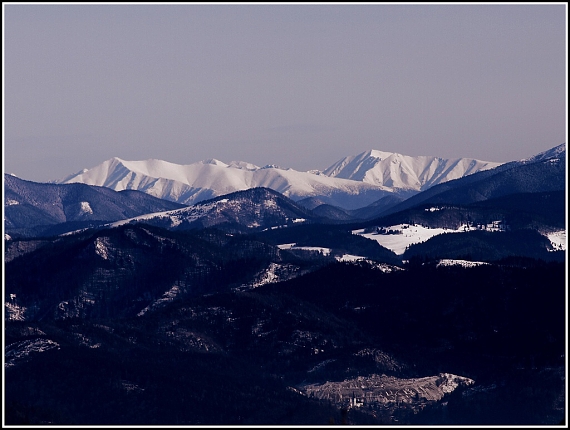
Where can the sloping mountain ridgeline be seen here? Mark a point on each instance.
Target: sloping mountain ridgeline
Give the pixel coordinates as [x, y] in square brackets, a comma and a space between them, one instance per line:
[204, 180]
[36, 209]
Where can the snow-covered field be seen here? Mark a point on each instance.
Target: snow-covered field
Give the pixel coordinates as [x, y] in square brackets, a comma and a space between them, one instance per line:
[558, 240]
[408, 235]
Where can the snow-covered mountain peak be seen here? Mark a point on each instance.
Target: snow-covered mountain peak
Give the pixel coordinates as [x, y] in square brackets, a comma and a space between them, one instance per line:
[404, 172]
[214, 162]
[375, 153]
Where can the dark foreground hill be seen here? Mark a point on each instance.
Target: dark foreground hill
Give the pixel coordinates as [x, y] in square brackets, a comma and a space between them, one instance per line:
[492, 335]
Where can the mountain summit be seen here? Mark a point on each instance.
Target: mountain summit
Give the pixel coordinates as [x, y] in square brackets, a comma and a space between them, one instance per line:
[404, 172]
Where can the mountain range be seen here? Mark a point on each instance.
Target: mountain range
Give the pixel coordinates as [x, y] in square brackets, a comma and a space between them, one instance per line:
[351, 183]
[32, 208]
[442, 304]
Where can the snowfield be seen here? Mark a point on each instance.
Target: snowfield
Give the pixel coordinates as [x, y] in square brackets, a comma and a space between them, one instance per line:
[398, 237]
[406, 235]
[558, 240]
[85, 208]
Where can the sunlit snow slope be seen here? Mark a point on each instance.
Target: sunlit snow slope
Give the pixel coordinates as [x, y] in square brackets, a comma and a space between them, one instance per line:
[402, 171]
[189, 184]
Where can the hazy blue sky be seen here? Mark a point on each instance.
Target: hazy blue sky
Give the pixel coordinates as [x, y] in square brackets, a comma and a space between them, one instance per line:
[300, 86]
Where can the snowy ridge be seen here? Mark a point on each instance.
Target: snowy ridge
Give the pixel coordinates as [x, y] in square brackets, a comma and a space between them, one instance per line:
[381, 389]
[404, 172]
[273, 273]
[189, 184]
[353, 182]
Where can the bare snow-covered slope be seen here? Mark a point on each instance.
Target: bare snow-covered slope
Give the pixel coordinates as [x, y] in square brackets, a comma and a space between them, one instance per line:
[189, 184]
[404, 172]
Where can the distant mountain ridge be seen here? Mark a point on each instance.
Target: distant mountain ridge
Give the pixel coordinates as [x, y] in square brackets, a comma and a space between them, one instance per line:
[351, 183]
[32, 207]
[189, 184]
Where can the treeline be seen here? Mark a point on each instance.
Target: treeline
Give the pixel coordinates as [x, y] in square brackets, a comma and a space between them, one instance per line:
[335, 237]
[484, 246]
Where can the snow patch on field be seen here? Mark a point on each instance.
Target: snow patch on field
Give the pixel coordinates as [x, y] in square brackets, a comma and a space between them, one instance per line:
[405, 235]
[558, 240]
